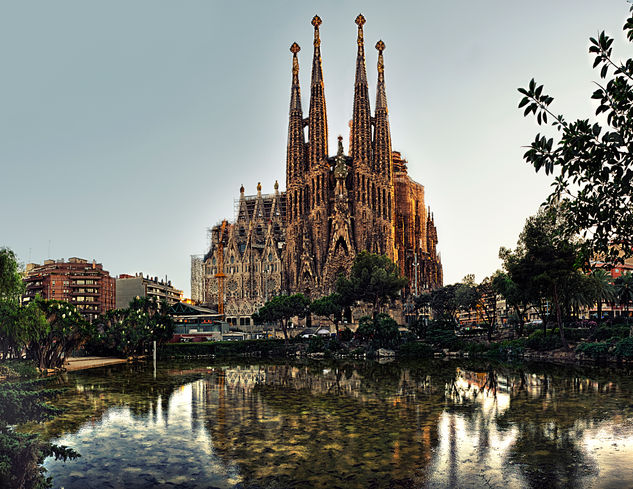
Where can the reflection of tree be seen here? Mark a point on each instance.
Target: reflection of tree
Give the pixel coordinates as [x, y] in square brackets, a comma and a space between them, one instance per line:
[302, 430]
[87, 395]
[549, 456]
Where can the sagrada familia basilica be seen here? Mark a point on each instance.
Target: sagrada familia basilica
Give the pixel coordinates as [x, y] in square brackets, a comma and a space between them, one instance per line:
[301, 239]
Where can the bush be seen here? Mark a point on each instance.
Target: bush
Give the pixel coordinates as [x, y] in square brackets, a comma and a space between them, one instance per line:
[381, 332]
[611, 331]
[415, 349]
[538, 341]
[577, 334]
[316, 344]
[506, 349]
[624, 348]
[21, 455]
[594, 350]
[222, 348]
[346, 335]
[442, 334]
[18, 369]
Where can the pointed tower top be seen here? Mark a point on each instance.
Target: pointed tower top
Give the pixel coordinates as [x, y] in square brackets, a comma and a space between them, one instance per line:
[316, 22]
[340, 146]
[381, 95]
[317, 120]
[242, 190]
[259, 187]
[361, 75]
[276, 185]
[360, 147]
[295, 96]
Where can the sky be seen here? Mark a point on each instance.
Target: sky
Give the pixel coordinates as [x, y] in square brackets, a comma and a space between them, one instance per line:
[127, 128]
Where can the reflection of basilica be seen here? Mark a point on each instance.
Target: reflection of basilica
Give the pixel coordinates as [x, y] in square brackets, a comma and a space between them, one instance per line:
[347, 425]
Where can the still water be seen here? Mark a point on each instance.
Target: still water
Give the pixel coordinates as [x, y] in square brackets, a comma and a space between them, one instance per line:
[347, 425]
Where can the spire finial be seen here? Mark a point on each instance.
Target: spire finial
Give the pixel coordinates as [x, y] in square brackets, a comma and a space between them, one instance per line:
[316, 22]
[360, 21]
[242, 189]
[294, 49]
[259, 187]
[340, 145]
[380, 46]
[276, 185]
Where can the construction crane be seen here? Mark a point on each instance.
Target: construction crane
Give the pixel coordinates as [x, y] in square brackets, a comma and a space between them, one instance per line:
[222, 236]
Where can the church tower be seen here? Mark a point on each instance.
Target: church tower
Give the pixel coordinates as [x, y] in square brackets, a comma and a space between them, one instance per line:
[296, 163]
[317, 181]
[360, 151]
[382, 165]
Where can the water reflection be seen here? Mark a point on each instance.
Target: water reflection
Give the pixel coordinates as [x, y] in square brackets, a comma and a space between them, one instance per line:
[345, 425]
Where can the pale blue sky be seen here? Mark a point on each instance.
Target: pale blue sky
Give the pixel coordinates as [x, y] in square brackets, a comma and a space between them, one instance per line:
[127, 128]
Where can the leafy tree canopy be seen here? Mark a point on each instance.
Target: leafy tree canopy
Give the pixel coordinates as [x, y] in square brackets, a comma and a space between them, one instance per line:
[374, 278]
[10, 281]
[593, 160]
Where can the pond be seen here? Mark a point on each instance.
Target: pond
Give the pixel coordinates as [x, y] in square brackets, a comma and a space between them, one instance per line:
[348, 425]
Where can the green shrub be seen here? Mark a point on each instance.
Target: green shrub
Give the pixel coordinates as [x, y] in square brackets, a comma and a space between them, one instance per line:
[443, 339]
[21, 455]
[577, 334]
[594, 350]
[18, 369]
[346, 334]
[415, 349]
[316, 344]
[381, 332]
[222, 348]
[538, 341]
[506, 349]
[624, 348]
[605, 332]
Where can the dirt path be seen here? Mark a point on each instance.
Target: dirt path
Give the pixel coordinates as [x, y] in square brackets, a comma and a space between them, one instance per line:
[82, 363]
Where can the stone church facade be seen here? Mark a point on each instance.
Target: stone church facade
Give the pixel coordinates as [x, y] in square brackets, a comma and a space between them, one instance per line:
[333, 207]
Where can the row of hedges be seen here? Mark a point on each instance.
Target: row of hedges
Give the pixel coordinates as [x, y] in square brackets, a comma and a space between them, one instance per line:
[222, 348]
[619, 348]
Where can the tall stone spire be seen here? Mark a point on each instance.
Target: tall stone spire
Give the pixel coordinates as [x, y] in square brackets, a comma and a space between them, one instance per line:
[361, 119]
[295, 156]
[382, 135]
[317, 121]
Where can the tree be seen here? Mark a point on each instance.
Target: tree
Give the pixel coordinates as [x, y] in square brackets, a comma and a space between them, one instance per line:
[329, 306]
[602, 289]
[545, 262]
[132, 330]
[55, 333]
[374, 279]
[442, 302]
[281, 308]
[624, 288]
[11, 285]
[594, 187]
[516, 297]
[488, 303]
[380, 331]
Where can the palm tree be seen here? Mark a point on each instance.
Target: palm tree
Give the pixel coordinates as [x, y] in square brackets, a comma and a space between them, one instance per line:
[624, 287]
[602, 289]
